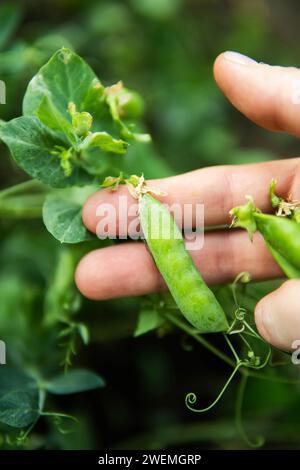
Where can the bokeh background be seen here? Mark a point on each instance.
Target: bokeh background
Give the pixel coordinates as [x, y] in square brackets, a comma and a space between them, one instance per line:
[165, 50]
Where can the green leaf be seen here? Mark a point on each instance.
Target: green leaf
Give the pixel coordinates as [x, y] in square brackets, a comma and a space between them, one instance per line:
[32, 147]
[65, 78]
[50, 116]
[105, 142]
[10, 15]
[12, 379]
[84, 333]
[62, 214]
[77, 380]
[148, 320]
[98, 163]
[19, 408]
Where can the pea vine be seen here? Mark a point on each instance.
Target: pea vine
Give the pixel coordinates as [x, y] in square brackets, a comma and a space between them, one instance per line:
[75, 136]
[73, 132]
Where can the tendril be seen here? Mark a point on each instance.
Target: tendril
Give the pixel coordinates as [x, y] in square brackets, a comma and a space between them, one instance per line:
[191, 397]
[259, 440]
[239, 317]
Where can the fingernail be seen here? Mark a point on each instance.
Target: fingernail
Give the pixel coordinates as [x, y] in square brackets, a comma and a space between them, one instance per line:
[238, 58]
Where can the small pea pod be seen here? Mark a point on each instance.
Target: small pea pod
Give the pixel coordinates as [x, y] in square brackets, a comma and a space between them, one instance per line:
[164, 239]
[281, 234]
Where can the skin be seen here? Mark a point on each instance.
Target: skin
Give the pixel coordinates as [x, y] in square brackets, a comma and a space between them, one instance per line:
[264, 94]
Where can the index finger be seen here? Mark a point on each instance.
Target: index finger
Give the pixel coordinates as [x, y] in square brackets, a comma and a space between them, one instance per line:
[218, 188]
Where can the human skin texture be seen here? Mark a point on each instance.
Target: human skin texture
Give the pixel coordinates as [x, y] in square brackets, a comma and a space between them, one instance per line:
[266, 95]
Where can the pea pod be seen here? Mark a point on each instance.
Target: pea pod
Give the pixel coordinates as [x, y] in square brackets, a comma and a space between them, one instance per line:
[193, 297]
[281, 234]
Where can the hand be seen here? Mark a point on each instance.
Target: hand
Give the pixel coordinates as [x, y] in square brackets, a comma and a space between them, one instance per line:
[268, 96]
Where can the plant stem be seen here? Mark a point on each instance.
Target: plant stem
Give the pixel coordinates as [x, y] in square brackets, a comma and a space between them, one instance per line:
[18, 207]
[216, 351]
[238, 415]
[26, 186]
[191, 397]
[232, 348]
[176, 321]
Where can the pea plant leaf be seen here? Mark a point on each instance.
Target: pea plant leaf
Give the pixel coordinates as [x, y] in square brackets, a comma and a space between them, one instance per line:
[104, 141]
[77, 380]
[19, 408]
[32, 146]
[50, 116]
[13, 379]
[72, 129]
[68, 78]
[62, 214]
[148, 320]
[65, 78]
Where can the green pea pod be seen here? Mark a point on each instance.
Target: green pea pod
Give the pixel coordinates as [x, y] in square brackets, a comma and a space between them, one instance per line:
[193, 297]
[282, 235]
[289, 270]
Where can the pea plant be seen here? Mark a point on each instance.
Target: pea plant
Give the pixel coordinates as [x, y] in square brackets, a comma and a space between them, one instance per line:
[191, 296]
[71, 132]
[76, 135]
[280, 231]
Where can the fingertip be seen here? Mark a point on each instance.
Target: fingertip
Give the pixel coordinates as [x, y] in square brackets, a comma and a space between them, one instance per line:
[89, 211]
[277, 317]
[260, 324]
[231, 66]
[85, 279]
[217, 67]
[217, 61]
[266, 94]
[227, 58]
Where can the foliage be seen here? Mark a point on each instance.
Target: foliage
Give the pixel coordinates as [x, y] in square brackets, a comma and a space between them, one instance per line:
[164, 50]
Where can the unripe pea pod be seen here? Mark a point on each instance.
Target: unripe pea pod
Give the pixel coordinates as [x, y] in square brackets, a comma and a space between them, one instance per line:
[193, 297]
[281, 234]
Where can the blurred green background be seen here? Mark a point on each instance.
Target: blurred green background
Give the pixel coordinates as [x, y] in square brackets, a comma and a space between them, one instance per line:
[164, 49]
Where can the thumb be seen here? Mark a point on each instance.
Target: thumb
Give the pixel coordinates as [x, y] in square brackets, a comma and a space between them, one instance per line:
[268, 95]
[277, 315]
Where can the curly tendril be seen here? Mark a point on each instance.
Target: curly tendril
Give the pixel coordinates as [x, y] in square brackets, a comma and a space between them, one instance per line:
[191, 397]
